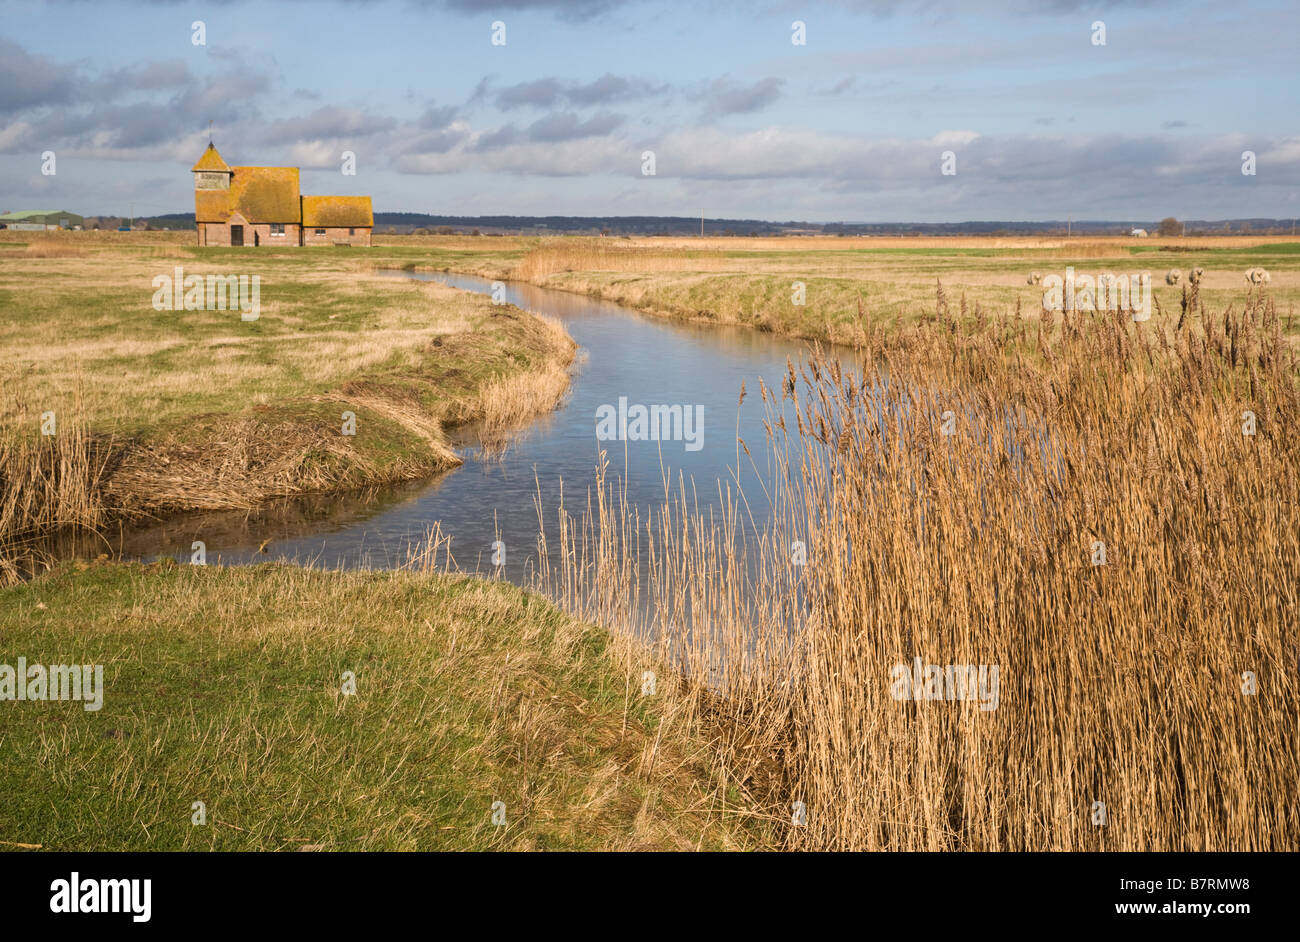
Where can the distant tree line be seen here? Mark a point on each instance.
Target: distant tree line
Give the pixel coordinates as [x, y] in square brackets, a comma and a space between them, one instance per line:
[428, 224]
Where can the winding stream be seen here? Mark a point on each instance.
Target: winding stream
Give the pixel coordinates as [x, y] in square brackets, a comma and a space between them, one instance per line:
[647, 361]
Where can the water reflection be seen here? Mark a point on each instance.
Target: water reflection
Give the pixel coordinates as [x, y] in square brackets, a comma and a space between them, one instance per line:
[647, 361]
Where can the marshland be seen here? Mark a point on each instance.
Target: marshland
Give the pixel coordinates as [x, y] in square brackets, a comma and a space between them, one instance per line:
[917, 461]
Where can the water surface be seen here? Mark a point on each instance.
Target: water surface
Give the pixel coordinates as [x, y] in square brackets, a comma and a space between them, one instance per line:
[645, 360]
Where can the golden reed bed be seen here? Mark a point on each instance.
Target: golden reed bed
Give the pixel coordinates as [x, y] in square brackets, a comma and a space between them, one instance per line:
[1103, 524]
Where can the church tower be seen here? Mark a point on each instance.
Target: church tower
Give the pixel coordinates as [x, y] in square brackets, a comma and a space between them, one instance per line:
[211, 172]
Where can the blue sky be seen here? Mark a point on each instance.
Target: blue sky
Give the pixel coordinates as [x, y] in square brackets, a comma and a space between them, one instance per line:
[851, 126]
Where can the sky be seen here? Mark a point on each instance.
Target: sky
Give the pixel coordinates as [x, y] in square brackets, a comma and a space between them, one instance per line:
[1041, 121]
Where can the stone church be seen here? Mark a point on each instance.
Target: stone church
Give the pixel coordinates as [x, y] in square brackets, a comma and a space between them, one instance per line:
[262, 206]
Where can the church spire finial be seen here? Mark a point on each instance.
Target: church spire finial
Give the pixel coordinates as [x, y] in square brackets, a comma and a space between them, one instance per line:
[210, 133]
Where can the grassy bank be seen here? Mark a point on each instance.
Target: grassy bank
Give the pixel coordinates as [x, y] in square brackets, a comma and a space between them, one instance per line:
[161, 411]
[224, 685]
[854, 285]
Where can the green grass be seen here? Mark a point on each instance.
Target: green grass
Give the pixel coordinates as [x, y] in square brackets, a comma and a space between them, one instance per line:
[202, 408]
[1283, 249]
[223, 685]
[90, 321]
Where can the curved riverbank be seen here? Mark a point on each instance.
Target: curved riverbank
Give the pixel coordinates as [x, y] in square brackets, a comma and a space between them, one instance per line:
[115, 412]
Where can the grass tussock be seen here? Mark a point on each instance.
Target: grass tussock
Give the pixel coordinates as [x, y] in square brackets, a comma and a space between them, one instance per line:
[1125, 680]
[54, 248]
[511, 402]
[48, 482]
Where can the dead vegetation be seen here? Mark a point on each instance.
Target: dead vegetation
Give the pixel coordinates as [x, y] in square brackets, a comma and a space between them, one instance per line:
[48, 483]
[510, 403]
[1113, 522]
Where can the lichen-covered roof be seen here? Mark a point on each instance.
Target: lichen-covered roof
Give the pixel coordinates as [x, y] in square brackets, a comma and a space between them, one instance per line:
[211, 160]
[337, 211]
[259, 194]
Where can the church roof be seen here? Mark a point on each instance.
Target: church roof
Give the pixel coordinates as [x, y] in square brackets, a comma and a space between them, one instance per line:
[259, 194]
[337, 211]
[211, 160]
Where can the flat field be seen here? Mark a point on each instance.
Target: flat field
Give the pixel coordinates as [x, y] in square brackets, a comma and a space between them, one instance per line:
[846, 281]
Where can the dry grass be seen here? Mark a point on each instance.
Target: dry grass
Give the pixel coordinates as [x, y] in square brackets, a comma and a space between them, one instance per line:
[752, 281]
[50, 248]
[47, 483]
[167, 411]
[98, 238]
[795, 244]
[511, 402]
[89, 319]
[613, 255]
[1119, 683]
[1111, 249]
